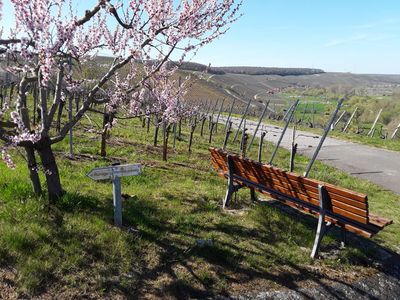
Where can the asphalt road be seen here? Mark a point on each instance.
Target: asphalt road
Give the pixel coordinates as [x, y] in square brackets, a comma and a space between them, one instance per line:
[374, 164]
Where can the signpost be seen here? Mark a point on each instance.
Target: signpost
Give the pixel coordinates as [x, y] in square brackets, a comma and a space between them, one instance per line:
[115, 173]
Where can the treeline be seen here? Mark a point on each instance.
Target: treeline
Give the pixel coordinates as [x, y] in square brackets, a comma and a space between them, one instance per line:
[269, 71]
[189, 66]
[196, 67]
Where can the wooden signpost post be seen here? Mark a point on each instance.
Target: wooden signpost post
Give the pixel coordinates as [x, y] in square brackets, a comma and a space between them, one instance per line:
[115, 173]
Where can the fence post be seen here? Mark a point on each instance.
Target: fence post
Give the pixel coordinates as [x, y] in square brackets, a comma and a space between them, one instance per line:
[219, 114]
[259, 123]
[211, 132]
[243, 144]
[212, 115]
[395, 132]
[338, 120]
[372, 130]
[304, 113]
[203, 121]
[230, 113]
[327, 129]
[260, 145]
[349, 121]
[289, 114]
[241, 121]
[227, 133]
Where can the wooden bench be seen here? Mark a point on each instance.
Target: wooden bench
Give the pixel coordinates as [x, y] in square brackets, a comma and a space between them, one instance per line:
[332, 204]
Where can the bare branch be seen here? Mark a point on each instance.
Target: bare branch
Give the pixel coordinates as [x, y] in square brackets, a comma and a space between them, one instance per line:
[90, 13]
[56, 100]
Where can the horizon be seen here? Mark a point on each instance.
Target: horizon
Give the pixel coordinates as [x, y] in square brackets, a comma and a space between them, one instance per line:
[359, 37]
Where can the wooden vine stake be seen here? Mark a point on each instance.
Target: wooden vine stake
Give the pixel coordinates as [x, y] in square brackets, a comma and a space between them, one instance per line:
[260, 145]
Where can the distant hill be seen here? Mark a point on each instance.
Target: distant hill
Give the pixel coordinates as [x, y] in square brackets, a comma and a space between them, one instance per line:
[268, 71]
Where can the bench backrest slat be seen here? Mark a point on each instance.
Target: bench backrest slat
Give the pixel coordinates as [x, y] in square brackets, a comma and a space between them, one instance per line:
[344, 202]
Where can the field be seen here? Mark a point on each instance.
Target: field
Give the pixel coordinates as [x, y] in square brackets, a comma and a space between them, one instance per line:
[177, 242]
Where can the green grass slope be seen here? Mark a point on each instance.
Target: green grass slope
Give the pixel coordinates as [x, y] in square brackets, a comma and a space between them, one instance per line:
[177, 242]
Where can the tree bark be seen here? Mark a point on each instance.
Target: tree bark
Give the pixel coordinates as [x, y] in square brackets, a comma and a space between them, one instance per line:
[33, 171]
[106, 121]
[166, 129]
[49, 164]
[156, 135]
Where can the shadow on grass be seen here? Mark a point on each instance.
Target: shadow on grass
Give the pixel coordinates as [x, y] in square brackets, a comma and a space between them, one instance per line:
[81, 249]
[236, 252]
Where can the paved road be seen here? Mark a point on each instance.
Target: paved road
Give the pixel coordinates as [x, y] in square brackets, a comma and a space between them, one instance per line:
[376, 165]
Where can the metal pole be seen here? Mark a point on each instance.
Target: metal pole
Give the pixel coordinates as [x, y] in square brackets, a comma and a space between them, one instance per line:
[258, 125]
[291, 110]
[370, 133]
[349, 121]
[117, 201]
[241, 121]
[313, 115]
[338, 120]
[219, 114]
[230, 113]
[293, 149]
[395, 132]
[212, 115]
[228, 132]
[304, 113]
[327, 129]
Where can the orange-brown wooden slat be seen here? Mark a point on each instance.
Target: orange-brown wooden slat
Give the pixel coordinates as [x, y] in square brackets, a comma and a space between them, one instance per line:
[379, 221]
[312, 182]
[376, 223]
[284, 186]
[308, 191]
[261, 177]
[362, 232]
[337, 192]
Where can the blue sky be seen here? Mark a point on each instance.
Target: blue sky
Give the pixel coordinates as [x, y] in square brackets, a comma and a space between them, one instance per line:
[359, 36]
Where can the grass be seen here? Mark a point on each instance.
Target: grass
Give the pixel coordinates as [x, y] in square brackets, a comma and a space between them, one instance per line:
[177, 241]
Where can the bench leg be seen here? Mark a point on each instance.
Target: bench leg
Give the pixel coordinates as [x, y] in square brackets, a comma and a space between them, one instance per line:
[343, 241]
[322, 225]
[229, 192]
[321, 230]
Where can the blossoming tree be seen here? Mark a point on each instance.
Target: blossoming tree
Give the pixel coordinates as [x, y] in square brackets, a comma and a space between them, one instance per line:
[49, 40]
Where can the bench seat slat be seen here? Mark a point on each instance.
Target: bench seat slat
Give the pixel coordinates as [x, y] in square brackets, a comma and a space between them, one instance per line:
[379, 221]
[307, 181]
[351, 212]
[365, 230]
[300, 182]
[348, 209]
[306, 189]
[286, 187]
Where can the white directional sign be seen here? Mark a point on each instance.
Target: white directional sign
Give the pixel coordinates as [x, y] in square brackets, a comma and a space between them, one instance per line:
[115, 173]
[109, 173]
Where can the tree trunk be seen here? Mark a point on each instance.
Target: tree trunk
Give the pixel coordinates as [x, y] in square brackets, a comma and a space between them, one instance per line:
[103, 144]
[156, 135]
[49, 164]
[33, 171]
[148, 123]
[166, 129]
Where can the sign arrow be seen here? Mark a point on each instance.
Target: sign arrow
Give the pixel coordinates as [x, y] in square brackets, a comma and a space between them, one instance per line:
[111, 172]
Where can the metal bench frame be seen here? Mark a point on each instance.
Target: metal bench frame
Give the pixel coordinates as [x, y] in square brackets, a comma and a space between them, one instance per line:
[323, 209]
